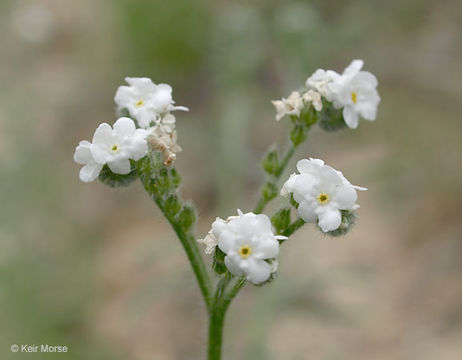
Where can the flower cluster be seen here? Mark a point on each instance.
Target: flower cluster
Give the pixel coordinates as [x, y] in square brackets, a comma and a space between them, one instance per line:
[294, 104]
[150, 106]
[249, 244]
[321, 193]
[354, 92]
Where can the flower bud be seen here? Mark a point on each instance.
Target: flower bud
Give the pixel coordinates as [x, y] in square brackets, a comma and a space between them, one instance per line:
[187, 217]
[269, 191]
[309, 116]
[270, 162]
[281, 220]
[172, 205]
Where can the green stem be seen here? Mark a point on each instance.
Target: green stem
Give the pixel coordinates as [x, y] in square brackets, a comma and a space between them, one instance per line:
[187, 239]
[297, 224]
[222, 300]
[189, 243]
[263, 201]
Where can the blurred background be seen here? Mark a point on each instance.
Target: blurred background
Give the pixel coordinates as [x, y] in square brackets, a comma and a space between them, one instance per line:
[100, 271]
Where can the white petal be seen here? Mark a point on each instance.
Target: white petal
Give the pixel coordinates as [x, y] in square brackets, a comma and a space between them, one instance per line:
[266, 249]
[139, 82]
[90, 172]
[123, 96]
[226, 241]
[180, 108]
[354, 67]
[330, 219]
[232, 262]
[82, 154]
[306, 210]
[103, 134]
[124, 126]
[257, 271]
[309, 166]
[344, 196]
[120, 166]
[138, 148]
[351, 117]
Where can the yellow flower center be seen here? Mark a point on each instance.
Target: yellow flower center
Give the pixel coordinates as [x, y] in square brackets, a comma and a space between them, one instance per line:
[323, 198]
[354, 97]
[114, 148]
[139, 103]
[245, 251]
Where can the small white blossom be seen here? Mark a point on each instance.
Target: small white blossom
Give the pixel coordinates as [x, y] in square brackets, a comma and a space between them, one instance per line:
[111, 146]
[145, 100]
[321, 193]
[249, 244]
[320, 81]
[290, 106]
[314, 98]
[356, 92]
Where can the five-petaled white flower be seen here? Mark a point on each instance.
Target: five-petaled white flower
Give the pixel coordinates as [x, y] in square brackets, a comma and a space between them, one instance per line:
[288, 106]
[356, 92]
[249, 244]
[111, 146]
[321, 193]
[145, 101]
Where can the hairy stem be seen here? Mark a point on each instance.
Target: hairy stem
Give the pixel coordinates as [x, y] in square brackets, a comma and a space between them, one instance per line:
[222, 300]
[186, 238]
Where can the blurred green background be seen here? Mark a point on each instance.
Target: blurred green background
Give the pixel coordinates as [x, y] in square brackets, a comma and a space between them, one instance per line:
[100, 271]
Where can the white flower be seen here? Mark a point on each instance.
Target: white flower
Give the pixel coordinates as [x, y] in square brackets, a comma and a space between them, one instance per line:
[314, 98]
[111, 146]
[320, 80]
[321, 193]
[249, 244]
[145, 100]
[290, 106]
[356, 92]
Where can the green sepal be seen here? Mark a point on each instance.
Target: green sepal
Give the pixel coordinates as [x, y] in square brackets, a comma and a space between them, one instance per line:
[187, 217]
[269, 191]
[175, 177]
[107, 177]
[309, 116]
[348, 220]
[163, 180]
[331, 118]
[281, 220]
[298, 134]
[172, 205]
[270, 162]
[218, 263]
[293, 202]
